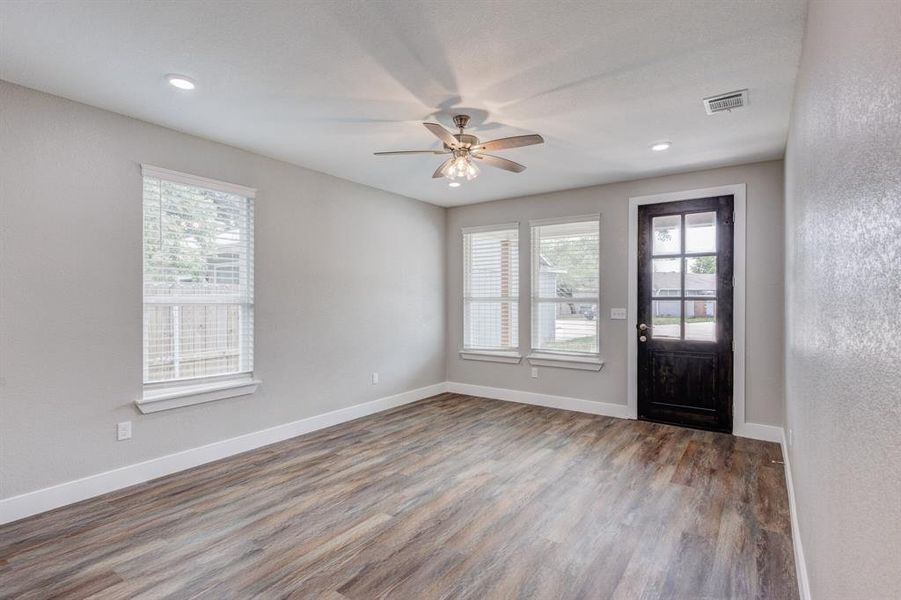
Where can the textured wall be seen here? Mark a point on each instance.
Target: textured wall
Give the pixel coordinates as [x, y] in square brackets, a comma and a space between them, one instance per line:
[764, 378]
[843, 303]
[349, 280]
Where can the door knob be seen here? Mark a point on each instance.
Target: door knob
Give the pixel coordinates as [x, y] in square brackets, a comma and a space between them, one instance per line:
[642, 328]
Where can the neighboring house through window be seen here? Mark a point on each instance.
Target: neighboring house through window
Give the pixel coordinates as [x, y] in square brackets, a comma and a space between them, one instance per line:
[565, 285]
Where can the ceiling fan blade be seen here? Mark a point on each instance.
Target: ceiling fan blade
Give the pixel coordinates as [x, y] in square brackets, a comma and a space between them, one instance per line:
[443, 134]
[411, 152]
[500, 163]
[438, 172]
[510, 142]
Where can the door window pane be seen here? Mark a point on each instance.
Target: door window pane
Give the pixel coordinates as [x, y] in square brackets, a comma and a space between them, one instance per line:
[667, 234]
[666, 279]
[700, 232]
[700, 276]
[666, 319]
[700, 320]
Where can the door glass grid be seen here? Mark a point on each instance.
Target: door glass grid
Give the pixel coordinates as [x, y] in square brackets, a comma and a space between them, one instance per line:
[684, 277]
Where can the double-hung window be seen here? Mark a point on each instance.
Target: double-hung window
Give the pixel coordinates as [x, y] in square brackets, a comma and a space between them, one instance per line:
[491, 289]
[565, 286]
[198, 285]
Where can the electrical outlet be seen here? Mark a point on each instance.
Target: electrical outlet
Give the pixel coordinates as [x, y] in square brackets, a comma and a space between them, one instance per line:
[375, 378]
[123, 431]
[535, 372]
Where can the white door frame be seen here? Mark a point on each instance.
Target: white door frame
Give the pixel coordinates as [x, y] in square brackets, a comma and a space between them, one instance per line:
[737, 191]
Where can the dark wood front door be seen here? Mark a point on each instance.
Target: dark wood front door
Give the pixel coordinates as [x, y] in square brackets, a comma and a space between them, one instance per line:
[685, 281]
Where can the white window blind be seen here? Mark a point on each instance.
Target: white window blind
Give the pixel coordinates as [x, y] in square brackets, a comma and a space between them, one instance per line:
[565, 290]
[491, 288]
[198, 277]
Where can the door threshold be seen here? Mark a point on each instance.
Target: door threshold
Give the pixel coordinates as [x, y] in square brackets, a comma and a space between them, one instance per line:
[685, 425]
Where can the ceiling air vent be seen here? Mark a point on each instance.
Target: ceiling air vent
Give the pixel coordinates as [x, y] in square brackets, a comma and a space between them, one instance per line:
[726, 102]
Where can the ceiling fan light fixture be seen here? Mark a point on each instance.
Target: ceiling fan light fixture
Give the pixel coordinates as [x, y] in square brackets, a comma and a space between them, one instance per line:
[449, 171]
[461, 167]
[454, 184]
[472, 171]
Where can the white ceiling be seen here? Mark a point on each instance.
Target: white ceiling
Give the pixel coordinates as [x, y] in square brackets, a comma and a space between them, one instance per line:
[326, 84]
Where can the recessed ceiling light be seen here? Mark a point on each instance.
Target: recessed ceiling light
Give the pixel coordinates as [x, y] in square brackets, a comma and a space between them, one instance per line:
[661, 146]
[454, 184]
[181, 82]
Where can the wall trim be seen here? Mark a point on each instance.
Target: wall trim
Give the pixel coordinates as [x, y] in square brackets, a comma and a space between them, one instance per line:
[739, 192]
[510, 357]
[38, 501]
[758, 431]
[797, 546]
[562, 402]
[157, 398]
[566, 361]
[197, 180]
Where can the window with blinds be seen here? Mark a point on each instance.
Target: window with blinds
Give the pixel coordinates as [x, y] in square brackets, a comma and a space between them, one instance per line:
[198, 277]
[491, 288]
[565, 290]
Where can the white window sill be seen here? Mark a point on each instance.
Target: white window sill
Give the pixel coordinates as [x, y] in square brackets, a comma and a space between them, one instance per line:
[566, 361]
[168, 397]
[500, 356]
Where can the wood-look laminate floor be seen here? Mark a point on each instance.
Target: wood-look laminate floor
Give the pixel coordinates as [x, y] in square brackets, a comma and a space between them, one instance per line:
[451, 497]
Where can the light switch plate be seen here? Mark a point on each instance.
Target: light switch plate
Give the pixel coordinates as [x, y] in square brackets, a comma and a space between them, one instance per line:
[618, 313]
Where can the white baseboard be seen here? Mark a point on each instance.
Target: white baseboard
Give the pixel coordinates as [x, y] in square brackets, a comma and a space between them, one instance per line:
[771, 433]
[31, 503]
[756, 431]
[607, 409]
[800, 562]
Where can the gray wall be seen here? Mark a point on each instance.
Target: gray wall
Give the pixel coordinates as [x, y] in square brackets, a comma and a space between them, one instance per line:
[843, 279]
[349, 280]
[764, 388]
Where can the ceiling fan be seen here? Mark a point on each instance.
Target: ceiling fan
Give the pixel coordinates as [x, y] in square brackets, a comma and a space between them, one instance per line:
[467, 151]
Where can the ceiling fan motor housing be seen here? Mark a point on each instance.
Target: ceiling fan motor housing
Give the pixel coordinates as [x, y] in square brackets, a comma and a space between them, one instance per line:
[461, 121]
[464, 138]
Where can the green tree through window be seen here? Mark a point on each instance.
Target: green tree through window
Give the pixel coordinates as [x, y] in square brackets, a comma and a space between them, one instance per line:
[703, 264]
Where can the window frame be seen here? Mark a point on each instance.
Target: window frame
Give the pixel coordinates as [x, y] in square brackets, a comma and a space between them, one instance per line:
[560, 358]
[174, 393]
[501, 354]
